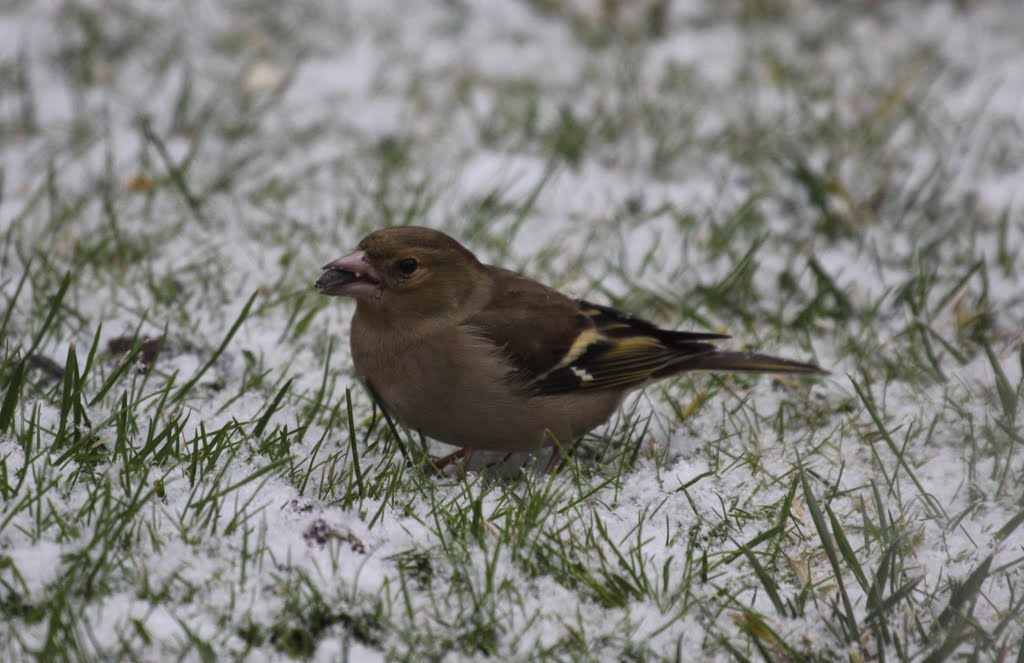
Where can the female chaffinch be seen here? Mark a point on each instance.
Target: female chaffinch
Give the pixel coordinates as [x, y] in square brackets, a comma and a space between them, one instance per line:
[480, 357]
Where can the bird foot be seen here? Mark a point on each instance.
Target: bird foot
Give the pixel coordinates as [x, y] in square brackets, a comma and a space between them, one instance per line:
[462, 456]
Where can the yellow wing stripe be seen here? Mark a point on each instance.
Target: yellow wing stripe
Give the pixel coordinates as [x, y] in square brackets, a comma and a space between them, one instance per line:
[580, 345]
[634, 346]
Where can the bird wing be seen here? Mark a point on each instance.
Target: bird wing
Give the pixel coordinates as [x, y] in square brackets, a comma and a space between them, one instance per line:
[534, 326]
[557, 345]
[622, 352]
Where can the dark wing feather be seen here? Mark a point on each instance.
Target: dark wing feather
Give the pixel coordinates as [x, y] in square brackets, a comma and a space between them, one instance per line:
[615, 324]
[627, 352]
[557, 345]
[533, 325]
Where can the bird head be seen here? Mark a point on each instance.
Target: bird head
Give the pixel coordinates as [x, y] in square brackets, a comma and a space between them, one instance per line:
[406, 270]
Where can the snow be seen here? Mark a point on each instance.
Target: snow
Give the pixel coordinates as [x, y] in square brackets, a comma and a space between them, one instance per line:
[363, 72]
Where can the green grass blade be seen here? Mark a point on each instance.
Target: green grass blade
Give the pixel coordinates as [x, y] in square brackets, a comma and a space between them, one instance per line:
[187, 387]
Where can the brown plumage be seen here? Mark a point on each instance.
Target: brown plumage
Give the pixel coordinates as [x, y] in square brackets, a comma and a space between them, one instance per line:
[481, 357]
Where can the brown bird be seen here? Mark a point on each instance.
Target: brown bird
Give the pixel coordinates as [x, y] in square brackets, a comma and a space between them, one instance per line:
[480, 357]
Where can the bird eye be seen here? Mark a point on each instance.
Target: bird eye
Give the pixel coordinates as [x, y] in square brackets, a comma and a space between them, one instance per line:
[407, 266]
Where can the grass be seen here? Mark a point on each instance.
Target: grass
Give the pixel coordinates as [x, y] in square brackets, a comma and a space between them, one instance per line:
[189, 470]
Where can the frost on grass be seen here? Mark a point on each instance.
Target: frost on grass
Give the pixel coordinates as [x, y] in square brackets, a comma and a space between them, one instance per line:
[187, 467]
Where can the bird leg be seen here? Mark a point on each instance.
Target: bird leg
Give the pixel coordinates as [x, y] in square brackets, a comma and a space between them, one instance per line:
[554, 460]
[463, 455]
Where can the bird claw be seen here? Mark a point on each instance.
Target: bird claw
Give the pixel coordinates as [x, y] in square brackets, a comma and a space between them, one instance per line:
[462, 456]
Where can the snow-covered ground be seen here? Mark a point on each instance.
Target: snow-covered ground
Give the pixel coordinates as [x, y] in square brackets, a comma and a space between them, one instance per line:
[821, 180]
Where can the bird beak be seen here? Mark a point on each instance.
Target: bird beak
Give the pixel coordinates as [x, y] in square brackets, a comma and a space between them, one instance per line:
[349, 276]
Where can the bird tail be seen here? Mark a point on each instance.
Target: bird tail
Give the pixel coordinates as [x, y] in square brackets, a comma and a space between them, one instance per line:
[747, 362]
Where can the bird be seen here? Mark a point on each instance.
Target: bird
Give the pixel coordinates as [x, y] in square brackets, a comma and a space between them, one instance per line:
[481, 357]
